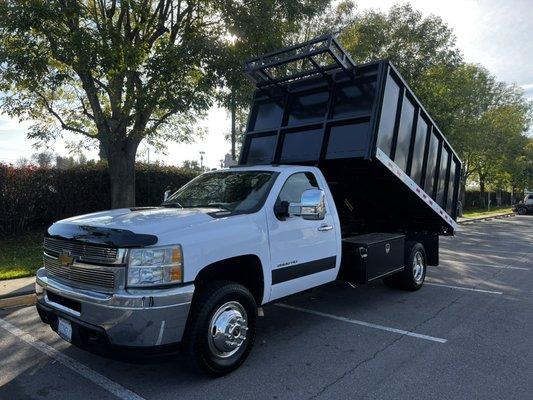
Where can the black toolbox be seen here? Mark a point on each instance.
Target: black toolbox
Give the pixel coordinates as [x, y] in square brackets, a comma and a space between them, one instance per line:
[371, 256]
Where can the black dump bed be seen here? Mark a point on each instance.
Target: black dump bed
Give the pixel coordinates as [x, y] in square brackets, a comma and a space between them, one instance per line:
[388, 165]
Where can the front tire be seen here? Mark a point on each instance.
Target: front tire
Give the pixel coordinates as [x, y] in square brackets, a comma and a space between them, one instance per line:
[414, 274]
[522, 211]
[221, 329]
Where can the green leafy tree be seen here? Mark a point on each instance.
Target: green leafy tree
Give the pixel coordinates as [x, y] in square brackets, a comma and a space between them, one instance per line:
[119, 72]
[192, 165]
[402, 35]
[457, 98]
[485, 120]
[116, 72]
[43, 159]
[256, 27]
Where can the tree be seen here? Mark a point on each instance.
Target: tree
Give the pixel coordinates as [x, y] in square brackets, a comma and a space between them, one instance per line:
[457, 98]
[403, 36]
[116, 72]
[43, 159]
[65, 162]
[256, 27]
[22, 162]
[485, 120]
[119, 72]
[82, 159]
[192, 165]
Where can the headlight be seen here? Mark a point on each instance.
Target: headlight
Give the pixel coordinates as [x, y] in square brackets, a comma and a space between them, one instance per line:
[155, 266]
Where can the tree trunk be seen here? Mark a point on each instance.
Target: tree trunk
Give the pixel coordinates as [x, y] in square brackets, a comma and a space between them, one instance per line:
[233, 133]
[461, 197]
[102, 152]
[121, 165]
[482, 199]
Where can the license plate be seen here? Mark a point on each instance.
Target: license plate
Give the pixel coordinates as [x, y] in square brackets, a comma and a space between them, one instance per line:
[64, 328]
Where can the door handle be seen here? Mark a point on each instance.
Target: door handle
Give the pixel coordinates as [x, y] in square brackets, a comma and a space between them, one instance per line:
[325, 228]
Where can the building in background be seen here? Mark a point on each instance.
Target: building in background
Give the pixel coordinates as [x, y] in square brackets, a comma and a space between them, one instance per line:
[228, 161]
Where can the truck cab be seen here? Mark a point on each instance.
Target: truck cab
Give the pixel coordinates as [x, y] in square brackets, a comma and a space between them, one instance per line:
[127, 277]
[323, 152]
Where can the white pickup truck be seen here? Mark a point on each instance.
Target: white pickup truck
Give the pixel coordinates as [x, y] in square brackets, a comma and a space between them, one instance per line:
[309, 204]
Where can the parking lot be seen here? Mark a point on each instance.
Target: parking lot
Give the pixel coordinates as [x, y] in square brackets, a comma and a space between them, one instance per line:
[466, 334]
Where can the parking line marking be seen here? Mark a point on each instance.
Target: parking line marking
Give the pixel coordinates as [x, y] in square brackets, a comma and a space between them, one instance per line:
[463, 288]
[363, 323]
[81, 369]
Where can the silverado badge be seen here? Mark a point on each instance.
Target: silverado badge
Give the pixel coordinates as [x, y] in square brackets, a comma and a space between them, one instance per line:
[65, 258]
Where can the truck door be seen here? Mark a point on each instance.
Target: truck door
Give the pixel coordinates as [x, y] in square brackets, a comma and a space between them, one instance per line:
[302, 252]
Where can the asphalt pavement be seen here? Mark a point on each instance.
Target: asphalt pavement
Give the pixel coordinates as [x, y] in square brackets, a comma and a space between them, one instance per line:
[467, 334]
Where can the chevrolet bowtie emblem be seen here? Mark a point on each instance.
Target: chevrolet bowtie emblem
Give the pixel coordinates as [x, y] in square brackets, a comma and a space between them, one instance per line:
[65, 258]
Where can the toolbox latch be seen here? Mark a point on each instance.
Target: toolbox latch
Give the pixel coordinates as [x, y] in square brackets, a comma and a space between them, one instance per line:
[363, 252]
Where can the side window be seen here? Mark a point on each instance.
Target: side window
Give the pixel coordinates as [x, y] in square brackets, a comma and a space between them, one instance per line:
[295, 185]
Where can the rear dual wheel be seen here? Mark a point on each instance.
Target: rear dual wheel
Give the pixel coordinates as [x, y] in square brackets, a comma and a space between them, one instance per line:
[414, 274]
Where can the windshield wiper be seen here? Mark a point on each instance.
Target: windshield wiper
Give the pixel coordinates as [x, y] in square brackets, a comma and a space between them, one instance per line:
[174, 204]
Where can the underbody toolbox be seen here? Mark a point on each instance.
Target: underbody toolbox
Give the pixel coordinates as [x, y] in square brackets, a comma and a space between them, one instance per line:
[371, 256]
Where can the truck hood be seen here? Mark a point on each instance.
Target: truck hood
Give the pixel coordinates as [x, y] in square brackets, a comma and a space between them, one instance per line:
[131, 227]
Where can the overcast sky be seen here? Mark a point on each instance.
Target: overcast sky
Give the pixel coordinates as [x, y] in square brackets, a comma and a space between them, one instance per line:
[495, 33]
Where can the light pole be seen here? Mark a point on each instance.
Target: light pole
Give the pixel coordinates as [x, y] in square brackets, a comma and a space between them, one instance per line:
[202, 159]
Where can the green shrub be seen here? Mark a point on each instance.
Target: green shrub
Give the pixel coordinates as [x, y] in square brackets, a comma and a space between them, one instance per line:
[32, 196]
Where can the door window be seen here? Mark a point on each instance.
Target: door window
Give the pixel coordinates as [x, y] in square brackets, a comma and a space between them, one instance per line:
[294, 187]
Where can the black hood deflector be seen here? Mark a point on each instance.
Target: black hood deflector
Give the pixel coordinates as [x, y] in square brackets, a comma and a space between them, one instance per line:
[99, 235]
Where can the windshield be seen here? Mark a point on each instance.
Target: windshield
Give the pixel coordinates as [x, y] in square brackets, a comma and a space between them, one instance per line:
[232, 191]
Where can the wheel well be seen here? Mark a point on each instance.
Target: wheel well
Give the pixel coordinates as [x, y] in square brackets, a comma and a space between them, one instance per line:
[245, 270]
[431, 246]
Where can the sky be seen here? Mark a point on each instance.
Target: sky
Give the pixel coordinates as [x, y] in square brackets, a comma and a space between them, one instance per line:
[497, 34]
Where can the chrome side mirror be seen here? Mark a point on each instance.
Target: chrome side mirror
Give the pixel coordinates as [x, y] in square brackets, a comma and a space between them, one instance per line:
[312, 205]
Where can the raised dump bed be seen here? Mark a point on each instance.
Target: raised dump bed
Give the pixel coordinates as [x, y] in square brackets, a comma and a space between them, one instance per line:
[388, 165]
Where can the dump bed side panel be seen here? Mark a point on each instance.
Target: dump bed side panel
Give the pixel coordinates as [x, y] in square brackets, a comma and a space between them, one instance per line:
[317, 119]
[406, 135]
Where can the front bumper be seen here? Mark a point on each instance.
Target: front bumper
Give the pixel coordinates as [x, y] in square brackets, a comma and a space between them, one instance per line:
[129, 318]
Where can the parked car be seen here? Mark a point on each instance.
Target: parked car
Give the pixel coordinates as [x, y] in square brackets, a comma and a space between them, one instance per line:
[326, 150]
[525, 206]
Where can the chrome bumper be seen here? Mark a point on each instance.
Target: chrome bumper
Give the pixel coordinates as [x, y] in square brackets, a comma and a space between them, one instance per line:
[135, 318]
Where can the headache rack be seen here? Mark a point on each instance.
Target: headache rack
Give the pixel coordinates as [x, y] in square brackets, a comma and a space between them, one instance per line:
[388, 165]
[314, 57]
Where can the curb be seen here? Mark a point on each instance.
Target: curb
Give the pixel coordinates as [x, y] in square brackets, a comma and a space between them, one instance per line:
[17, 294]
[499, 216]
[18, 301]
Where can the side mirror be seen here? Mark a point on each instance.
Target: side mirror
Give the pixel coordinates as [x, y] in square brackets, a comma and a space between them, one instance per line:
[312, 205]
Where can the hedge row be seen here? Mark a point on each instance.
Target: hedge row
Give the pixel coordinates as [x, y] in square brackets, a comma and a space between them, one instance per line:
[32, 196]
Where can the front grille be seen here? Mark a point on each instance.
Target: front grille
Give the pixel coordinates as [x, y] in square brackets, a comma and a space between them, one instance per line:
[94, 276]
[81, 251]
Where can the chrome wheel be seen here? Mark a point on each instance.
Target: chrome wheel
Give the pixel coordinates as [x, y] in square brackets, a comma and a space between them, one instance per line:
[227, 329]
[418, 267]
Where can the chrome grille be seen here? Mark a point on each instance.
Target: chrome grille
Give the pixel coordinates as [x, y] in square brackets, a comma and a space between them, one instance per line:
[82, 251]
[94, 276]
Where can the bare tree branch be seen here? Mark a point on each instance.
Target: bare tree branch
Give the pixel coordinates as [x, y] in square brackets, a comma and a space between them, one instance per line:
[64, 125]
